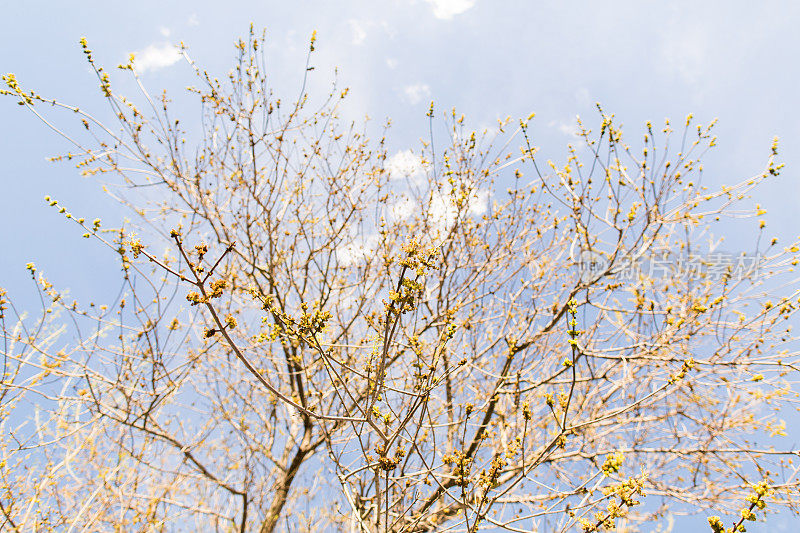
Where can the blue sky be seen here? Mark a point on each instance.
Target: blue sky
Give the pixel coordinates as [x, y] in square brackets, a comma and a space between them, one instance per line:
[641, 60]
[734, 60]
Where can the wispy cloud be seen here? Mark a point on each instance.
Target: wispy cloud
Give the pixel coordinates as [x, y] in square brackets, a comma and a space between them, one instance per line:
[447, 9]
[565, 127]
[685, 48]
[415, 93]
[358, 30]
[583, 97]
[155, 57]
[193, 20]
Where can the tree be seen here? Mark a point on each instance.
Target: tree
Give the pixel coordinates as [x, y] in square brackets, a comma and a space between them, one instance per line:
[453, 338]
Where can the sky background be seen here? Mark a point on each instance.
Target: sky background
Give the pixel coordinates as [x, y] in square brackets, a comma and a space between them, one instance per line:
[735, 61]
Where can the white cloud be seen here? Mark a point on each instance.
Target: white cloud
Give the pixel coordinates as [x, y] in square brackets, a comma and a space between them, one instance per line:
[359, 32]
[387, 29]
[193, 20]
[447, 9]
[443, 210]
[415, 93]
[405, 164]
[566, 128]
[402, 209]
[479, 203]
[164, 31]
[156, 56]
[391, 62]
[357, 250]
